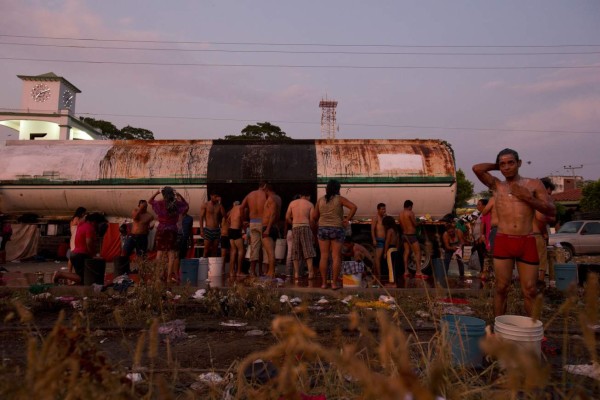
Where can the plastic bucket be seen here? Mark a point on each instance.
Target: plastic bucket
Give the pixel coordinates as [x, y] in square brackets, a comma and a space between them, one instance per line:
[464, 334]
[565, 275]
[93, 271]
[189, 271]
[439, 271]
[353, 280]
[523, 331]
[217, 281]
[280, 249]
[215, 267]
[202, 270]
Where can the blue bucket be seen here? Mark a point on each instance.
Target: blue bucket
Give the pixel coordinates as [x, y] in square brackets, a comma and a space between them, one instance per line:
[439, 272]
[565, 275]
[189, 271]
[464, 334]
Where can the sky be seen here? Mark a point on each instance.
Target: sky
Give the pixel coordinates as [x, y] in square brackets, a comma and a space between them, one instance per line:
[481, 75]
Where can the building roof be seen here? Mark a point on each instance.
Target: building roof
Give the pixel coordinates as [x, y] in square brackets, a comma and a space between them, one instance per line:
[568, 195]
[49, 76]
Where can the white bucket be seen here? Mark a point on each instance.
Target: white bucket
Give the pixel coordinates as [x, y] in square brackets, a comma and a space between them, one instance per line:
[354, 280]
[217, 281]
[248, 252]
[523, 331]
[215, 267]
[280, 249]
[203, 270]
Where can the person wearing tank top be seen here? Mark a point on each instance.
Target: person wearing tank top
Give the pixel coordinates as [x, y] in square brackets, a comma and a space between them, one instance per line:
[329, 216]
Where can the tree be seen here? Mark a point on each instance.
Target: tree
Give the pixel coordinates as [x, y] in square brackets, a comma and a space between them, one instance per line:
[260, 131]
[464, 189]
[110, 131]
[590, 197]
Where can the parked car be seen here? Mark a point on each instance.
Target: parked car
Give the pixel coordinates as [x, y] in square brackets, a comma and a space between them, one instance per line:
[578, 237]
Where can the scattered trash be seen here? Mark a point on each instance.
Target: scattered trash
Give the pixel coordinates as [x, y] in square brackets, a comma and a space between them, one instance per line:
[63, 268]
[453, 301]
[284, 298]
[174, 330]
[387, 299]
[97, 288]
[347, 299]
[595, 328]
[457, 310]
[65, 299]
[589, 370]
[103, 340]
[77, 304]
[255, 332]
[296, 300]
[374, 304]
[135, 377]
[120, 279]
[323, 300]
[260, 371]
[233, 322]
[98, 332]
[422, 314]
[199, 295]
[211, 378]
[315, 308]
[41, 296]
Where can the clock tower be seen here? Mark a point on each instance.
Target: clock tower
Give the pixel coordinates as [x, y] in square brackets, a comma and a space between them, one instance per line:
[48, 93]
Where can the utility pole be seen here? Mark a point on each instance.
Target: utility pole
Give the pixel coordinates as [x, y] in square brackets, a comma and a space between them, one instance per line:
[572, 168]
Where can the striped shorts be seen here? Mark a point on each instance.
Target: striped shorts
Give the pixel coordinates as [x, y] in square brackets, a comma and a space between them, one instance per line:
[302, 243]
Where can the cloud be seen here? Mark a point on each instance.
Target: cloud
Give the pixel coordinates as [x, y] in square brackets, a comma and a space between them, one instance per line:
[560, 81]
[577, 114]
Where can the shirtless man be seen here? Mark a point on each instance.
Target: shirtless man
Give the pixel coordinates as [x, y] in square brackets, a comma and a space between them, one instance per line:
[254, 206]
[209, 230]
[408, 221]
[298, 214]
[138, 239]
[236, 222]
[270, 233]
[540, 231]
[378, 237]
[516, 201]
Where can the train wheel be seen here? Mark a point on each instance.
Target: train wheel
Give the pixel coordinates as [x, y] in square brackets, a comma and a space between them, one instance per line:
[425, 261]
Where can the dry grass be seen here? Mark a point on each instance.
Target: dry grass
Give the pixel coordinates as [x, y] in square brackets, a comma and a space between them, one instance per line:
[364, 363]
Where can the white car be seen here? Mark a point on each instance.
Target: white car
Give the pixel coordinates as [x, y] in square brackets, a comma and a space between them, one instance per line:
[578, 237]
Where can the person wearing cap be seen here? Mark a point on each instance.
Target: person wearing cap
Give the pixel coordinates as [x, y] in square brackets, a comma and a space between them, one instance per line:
[168, 211]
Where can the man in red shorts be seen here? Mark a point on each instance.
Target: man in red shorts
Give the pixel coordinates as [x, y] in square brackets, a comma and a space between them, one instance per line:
[516, 201]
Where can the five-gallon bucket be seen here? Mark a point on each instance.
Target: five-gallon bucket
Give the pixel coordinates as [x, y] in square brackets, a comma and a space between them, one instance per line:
[464, 334]
[352, 280]
[93, 271]
[565, 275]
[215, 267]
[202, 270]
[189, 271]
[280, 249]
[523, 331]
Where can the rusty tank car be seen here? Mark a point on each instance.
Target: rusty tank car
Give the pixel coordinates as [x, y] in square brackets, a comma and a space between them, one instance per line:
[53, 178]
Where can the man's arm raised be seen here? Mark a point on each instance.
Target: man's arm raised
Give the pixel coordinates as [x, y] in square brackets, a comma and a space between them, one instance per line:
[482, 171]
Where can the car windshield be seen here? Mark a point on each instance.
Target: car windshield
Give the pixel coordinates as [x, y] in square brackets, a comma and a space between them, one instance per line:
[570, 227]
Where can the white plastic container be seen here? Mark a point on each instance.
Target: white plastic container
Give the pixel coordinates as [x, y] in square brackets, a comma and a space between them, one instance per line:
[280, 249]
[215, 267]
[523, 331]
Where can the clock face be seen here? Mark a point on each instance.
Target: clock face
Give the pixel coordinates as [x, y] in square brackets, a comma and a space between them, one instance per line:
[41, 92]
[67, 99]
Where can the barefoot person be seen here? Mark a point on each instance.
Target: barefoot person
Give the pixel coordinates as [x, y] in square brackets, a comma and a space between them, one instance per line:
[540, 231]
[516, 201]
[408, 222]
[236, 256]
[254, 206]
[329, 216]
[270, 232]
[378, 237]
[211, 213]
[168, 211]
[298, 214]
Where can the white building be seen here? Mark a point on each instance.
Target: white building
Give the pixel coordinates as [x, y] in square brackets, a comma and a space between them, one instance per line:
[565, 183]
[47, 111]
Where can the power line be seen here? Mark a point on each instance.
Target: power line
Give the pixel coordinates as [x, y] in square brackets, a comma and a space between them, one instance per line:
[292, 44]
[348, 124]
[79, 47]
[299, 66]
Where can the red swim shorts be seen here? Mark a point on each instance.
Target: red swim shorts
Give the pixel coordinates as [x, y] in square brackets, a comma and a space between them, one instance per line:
[520, 247]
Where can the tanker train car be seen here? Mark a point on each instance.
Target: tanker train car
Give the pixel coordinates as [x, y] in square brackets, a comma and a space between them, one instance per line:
[52, 178]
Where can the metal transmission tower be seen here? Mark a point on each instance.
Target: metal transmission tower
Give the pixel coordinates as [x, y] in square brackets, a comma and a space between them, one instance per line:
[328, 120]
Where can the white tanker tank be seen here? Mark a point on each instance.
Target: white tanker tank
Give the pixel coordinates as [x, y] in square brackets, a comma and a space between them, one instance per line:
[53, 178]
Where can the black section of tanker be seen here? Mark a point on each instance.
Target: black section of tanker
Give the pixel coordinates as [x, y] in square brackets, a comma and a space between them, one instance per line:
[291, 170]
